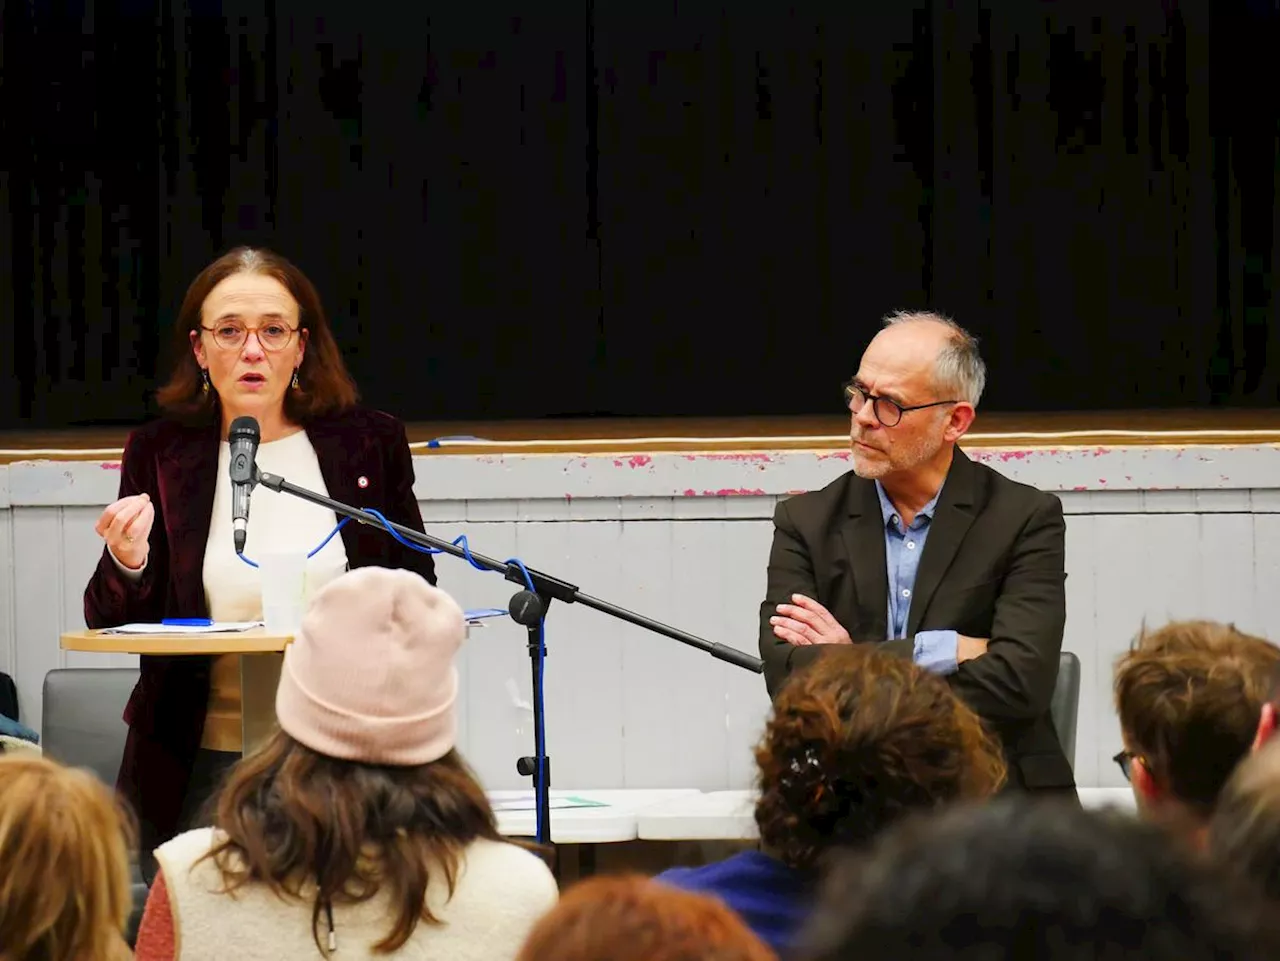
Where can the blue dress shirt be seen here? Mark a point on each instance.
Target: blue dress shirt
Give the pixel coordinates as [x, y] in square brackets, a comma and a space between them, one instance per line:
[934, 650]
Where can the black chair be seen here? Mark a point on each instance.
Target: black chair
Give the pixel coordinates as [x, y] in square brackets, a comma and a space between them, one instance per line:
[83, 727]
[1065, 706]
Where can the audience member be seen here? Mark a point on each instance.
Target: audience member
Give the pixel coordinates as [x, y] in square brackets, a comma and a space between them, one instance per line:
[1270, 713]
[855, 741]
[1016, 880]
[1189, 697]
[357, 828]
[64, 864]
[1244, 833]
[631, 918]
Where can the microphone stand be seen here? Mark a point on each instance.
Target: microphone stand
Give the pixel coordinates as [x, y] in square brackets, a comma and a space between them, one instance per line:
[527, 607]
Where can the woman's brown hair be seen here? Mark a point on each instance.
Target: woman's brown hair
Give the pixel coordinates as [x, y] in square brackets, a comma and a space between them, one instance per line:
[293, 818]
[324, 385]
[64, 864]
[633, 918]
[856, 741]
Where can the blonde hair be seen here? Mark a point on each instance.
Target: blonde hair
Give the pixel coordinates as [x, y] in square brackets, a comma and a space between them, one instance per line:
[1244, 833]
[64, 864]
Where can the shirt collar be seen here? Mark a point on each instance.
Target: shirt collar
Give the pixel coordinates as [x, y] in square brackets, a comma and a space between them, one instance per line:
[889, 512]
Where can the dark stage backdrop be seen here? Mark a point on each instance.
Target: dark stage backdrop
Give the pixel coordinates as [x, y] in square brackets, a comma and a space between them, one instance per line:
[544, 209]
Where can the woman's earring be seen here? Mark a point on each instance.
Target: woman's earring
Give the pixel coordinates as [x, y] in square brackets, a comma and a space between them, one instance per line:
[296, 385]
[204, 377]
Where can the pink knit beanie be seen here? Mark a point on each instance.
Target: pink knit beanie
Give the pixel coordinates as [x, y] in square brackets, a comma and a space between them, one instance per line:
[370, 675]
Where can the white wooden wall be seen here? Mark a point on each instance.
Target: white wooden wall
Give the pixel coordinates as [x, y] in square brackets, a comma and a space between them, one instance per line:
[1152, 533]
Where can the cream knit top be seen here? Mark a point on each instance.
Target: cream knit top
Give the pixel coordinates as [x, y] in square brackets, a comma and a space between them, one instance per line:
[501, 892]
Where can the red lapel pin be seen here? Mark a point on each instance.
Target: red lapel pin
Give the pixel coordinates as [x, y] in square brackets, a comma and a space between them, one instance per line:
[362, 482]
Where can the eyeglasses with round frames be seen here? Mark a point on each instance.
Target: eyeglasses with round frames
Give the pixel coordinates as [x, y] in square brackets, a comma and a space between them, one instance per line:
[231, 336]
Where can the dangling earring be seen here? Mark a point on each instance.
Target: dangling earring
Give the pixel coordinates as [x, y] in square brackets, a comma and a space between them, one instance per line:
[204, 377]
[295, 385]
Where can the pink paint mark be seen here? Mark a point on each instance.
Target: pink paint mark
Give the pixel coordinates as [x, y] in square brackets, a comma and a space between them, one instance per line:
[1009, 455]
[1102, 480]
[1128, 477]
[115, 466]
[639, 460]
[837, 454]
[617, 463]
[760, 458]
[725, 492]
[1080, 487]
[568, 497]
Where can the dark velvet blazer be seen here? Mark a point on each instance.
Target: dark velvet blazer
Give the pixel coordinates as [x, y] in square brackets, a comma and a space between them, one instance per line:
[177, 465]
[994, 566]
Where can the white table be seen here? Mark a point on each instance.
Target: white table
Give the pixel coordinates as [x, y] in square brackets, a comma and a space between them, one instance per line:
[714, 816]
[730, 815]
[613, 823]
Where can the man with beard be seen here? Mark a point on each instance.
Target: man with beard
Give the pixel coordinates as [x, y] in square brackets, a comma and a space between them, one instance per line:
[927, 553]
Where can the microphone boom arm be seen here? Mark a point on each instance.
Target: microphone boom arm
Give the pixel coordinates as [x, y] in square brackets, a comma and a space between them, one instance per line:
[544, 585]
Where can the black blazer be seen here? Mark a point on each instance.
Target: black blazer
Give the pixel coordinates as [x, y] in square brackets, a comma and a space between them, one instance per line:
[993, 566]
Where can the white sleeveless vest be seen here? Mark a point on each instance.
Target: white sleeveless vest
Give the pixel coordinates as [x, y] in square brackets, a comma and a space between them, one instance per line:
[501, 893]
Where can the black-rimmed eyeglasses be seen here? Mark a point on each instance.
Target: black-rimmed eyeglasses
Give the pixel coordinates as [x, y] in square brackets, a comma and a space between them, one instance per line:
[1125, 761]
[888, 412]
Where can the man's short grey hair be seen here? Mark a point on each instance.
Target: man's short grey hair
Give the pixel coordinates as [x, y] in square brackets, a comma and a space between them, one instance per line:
[959, 372]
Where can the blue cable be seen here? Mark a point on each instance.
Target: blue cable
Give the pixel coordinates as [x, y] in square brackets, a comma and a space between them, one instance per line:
[341, 524]
[540, 785]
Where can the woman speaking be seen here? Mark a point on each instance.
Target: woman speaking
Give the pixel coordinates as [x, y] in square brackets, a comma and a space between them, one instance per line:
[251, 340]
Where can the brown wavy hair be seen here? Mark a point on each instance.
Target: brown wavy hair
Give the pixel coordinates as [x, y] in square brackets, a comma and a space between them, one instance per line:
[1189, 695]
[64, 864]
[634, 918]
[856, 741]
[292, 817]
[324, 385]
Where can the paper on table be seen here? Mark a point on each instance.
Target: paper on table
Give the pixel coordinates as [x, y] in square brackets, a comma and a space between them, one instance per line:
[218, 627]
[483, 612]
[529, 803]
[235, 627]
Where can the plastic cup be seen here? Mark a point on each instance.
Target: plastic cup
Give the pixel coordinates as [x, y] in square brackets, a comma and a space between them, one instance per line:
[283, 575]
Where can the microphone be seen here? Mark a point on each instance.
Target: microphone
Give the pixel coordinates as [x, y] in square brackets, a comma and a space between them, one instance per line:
[244, 436]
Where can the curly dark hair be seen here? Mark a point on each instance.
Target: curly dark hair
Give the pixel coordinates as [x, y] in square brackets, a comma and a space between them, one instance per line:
[858, 739]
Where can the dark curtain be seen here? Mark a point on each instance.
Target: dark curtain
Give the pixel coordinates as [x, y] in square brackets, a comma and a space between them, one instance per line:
[547, 209]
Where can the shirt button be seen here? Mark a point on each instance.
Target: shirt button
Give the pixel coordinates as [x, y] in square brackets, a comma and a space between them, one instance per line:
[911, 545]
[905, 592]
